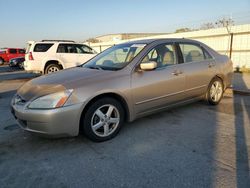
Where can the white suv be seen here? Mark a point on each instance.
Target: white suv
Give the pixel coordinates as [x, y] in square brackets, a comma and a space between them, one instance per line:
[50, 56]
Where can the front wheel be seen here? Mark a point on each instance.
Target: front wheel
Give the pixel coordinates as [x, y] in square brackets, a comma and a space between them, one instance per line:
[103, 119]
[215, 91]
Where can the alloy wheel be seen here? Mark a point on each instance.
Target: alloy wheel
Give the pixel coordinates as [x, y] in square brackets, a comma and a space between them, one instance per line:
[216, 91]
[53, 69]
[105, 120]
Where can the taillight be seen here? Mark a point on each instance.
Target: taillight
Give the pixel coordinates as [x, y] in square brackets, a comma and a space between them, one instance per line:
[31, 56]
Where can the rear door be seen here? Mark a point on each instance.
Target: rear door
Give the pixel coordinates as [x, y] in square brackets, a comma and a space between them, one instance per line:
[199, 67]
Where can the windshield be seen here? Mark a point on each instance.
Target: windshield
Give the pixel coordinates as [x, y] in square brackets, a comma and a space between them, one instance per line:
[116, 57]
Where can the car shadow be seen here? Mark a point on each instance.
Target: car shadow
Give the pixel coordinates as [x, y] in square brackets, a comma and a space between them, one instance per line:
[242, 130]
[9, 73]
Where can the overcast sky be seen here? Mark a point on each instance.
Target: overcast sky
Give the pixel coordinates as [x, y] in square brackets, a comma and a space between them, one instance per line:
[23, 20]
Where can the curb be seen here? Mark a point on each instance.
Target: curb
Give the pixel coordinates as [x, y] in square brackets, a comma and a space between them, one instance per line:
[237, 91]
[241, 92]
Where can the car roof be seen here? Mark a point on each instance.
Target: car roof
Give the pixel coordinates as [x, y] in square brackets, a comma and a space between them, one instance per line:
[148, 41]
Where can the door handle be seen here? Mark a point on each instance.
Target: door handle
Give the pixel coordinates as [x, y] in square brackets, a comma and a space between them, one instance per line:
[176, 73]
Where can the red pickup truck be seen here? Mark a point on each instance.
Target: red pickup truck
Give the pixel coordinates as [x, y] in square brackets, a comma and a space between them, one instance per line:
[7, 54]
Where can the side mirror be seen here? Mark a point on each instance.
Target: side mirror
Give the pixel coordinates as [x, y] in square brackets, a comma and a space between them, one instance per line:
[151, 65]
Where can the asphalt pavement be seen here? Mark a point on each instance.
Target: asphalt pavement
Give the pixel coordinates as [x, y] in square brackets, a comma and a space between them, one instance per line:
[196, 145]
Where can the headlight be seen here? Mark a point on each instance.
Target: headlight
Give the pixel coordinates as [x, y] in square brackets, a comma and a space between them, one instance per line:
[54, 100]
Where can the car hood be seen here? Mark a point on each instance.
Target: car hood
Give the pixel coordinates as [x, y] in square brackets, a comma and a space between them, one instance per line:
[66, 79]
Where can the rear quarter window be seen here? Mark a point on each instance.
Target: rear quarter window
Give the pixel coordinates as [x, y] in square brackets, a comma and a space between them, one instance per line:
[42, 47]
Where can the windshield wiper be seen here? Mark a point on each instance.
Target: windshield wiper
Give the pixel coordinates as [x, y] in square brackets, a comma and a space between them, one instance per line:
[95, 67]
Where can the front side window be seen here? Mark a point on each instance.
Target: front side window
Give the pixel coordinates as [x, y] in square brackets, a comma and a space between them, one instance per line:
[163, 54]
[116, 57]
[192, 53]
[12, 51]
[42, 47]
[82, 49]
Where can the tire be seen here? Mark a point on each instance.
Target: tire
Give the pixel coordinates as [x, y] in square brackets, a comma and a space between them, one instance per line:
[215, 91]
[1, 61]
[52, 68]
[103, 120]
[20, 65]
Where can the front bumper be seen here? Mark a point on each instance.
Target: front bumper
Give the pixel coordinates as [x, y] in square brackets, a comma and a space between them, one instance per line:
[57, 122]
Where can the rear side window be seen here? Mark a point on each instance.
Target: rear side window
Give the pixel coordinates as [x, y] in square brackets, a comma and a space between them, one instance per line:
[12, 51]
[21, 51]
[42, 47]
[66, 48]
[191, 53]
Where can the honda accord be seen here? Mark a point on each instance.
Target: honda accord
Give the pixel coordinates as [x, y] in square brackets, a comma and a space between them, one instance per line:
[123, 83]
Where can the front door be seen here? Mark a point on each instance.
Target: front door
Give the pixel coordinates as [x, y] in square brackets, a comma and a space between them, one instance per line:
[164, 85]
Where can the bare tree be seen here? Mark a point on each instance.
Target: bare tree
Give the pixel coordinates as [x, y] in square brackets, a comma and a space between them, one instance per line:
[208, 25]
[224, 22]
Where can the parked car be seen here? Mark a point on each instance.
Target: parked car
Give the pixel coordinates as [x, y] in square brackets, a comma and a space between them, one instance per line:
[123, 83]
[9, 53]
[50, 56]
[17, 62]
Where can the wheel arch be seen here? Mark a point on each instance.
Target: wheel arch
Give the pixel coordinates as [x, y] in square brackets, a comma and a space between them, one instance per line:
[222, 77]
[116, 96]
[53, 61]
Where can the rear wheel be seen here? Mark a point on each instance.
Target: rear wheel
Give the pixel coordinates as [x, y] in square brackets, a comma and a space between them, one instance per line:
[103, 120]
[52, 68]
[215, 91]
[1, 61]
